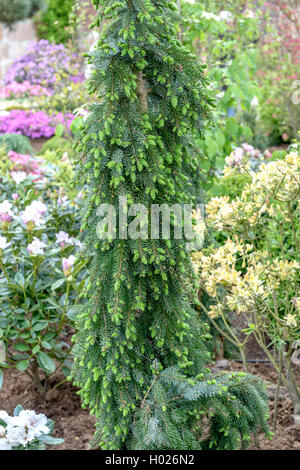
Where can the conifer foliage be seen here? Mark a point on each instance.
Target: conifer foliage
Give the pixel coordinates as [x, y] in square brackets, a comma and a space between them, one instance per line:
[140, 355]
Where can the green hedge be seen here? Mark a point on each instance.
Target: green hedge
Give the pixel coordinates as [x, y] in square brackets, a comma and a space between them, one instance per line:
[52, 24]
[16, 10]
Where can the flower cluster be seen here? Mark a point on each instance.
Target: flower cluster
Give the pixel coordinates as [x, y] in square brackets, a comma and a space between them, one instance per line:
[25, 430]
[244, 153]
[276, 183]
[254, 269]
[6, 213]
[15, 90]
[32, 124]
[44, 64]
[32, 215]
[26, 163]
[38, 245]
[64, 239]
[240, 278]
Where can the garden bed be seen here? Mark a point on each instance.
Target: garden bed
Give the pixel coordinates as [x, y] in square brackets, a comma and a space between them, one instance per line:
[76, 426]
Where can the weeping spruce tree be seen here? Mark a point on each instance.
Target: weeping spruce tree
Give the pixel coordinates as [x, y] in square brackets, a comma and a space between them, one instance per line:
[140, 354]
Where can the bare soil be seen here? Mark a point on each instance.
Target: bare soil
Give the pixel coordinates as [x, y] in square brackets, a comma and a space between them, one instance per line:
[73, 424]
[76, 426]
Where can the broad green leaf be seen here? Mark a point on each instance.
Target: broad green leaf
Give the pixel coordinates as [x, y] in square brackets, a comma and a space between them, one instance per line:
[46, 363]
[58, 283]
[73, 312]
[59, 130]
[174, 101]
[22, 365]
[39, 326]
[21, 347]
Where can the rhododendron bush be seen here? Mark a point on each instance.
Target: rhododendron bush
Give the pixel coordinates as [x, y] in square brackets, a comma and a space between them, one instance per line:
[41, 90]
[35, 125]
[41, 279]
[254, 268]
[44, 64]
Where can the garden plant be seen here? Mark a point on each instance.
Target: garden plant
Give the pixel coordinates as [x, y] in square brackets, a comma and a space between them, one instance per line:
[40, 288]
[140, 354]
[252, 269]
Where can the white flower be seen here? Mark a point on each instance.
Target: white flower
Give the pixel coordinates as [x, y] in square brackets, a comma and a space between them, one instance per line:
[209, 16]
[33, 213]
[2, 431]
[62, 200]
[4, 444]
[36, 423]
[291, 320]
[225, 15]
[22, 429]
[18, 176]
[254, 102]
[5, 207]
[3, 245]
[63, 237]
[36, 247]
[39, 207]
[17, 435]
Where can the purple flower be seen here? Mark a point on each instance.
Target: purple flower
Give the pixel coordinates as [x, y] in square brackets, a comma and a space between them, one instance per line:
[35, 125]
[42, 63]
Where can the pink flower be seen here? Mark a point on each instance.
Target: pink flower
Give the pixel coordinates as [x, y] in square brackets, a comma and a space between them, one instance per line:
[248, 148]
[26, 163]
[268, 154]
[67, 264]
[62, 200]
[15, 196]
[235, 157]
[285, 137]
